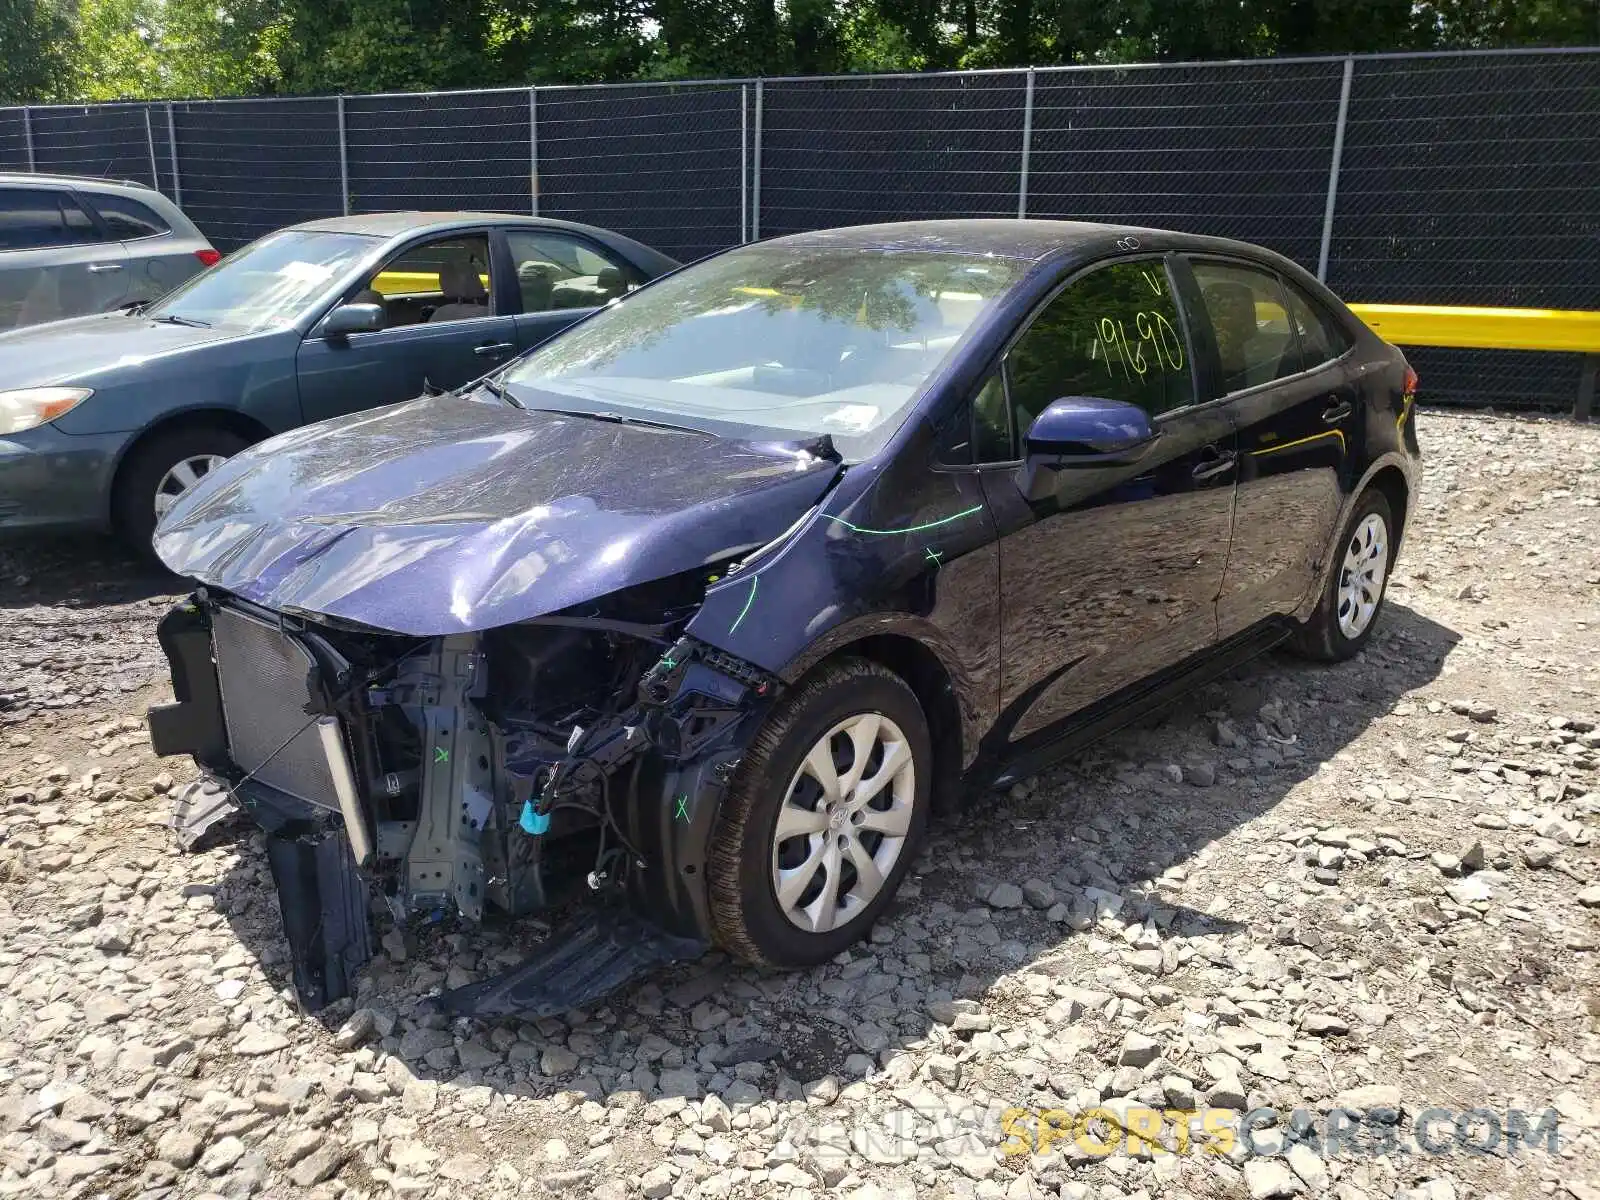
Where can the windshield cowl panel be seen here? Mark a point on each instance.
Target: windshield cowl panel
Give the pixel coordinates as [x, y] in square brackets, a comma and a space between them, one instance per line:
[271, 284]
[786, 342]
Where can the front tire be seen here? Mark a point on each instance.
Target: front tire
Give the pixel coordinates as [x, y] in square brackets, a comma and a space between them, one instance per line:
[823, 819]
[159, 470]
[1353, 597]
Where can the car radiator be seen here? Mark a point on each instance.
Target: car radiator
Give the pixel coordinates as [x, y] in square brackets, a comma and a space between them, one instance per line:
[265, 679]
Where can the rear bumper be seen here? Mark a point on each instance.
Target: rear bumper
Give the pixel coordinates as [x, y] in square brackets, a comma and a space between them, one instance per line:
[51, 480]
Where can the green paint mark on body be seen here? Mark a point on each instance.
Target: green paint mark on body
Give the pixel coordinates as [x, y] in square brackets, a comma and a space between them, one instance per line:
[681, 813]
[933, 556]
[441, 755]
[966, 512]
[749, 600]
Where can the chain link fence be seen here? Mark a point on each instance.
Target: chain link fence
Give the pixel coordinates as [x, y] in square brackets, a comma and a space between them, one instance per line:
[1458, 178]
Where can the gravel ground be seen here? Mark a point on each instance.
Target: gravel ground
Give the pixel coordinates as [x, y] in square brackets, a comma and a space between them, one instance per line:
[1367, 889]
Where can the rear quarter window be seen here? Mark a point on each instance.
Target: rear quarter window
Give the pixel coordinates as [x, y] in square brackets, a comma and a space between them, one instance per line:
[127, 219]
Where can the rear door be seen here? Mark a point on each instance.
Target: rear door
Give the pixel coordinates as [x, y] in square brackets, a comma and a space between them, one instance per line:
[1294, 406]
[56, 259]
[158, 259]
[560, 278]
[446, 324]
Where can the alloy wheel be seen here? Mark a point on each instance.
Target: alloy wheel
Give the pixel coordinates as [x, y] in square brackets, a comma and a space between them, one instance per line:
[182, 476]
[843, 823]
[1361, 577]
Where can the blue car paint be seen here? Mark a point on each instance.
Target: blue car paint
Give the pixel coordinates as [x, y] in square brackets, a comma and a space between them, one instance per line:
[359, 519]
[449, 514]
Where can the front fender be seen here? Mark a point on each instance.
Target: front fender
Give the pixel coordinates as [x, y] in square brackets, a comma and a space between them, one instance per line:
[909, 553]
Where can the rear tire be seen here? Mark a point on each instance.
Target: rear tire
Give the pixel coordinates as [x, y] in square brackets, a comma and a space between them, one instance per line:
[1352, 599]
[160, 463]
[797, 899]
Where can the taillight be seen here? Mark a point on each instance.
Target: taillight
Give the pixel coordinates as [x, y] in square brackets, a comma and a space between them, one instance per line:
[1410, 388]
[208, 257]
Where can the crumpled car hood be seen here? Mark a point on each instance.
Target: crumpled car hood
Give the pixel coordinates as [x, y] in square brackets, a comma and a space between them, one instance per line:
[445, 514]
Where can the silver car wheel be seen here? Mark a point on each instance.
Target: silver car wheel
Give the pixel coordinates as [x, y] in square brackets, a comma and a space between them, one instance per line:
[182, 476]
[843, 823]
[1361, 577]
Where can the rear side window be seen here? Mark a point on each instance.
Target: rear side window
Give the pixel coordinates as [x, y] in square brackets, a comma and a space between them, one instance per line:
[127, 219]
[1115, 333]
[35, 218]
[1249, 317]
[555, 271]
[1321, 339]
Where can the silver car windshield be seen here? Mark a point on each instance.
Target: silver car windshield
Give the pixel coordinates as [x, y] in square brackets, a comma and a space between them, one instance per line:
[809, 341]
[268, 283]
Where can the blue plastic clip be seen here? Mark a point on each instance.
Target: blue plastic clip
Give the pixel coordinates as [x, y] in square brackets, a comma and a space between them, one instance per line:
[533, 823]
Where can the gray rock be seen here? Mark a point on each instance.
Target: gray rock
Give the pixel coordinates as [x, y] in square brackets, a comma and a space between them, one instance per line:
[321, 1165]
[1266, 1178]
[1324, 1024]
[180, 1147]
[1138, 1050]
[557, 1060]
[221, 1155]
[1004, 895]
[356, 1031]
[1038, 893]
[255, 1040]
[656, 1183]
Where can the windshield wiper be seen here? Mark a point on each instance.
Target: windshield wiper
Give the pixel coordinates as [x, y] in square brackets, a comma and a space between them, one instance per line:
[175, 319]
[499, 393]
[617, 418]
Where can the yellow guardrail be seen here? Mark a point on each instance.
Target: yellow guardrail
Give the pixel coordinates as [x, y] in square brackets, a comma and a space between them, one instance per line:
[1556, 329]
[1565, 331]
[411, 283]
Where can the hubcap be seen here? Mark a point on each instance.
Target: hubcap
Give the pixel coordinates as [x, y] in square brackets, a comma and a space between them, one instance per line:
[1366, 562]
[183, 476]
[843, 823]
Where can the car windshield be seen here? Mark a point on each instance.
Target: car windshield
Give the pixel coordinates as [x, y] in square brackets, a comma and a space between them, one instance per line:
[770, 338]
[268, 283]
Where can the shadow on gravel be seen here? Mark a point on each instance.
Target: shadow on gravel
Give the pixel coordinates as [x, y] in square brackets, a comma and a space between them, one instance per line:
[1110, 833]
[80, 571]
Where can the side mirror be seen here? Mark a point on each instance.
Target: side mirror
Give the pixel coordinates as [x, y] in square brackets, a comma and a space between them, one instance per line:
[353, 318]
[1088, 431]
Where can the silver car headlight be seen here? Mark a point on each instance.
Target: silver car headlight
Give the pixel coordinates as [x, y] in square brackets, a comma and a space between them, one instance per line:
[28, 408]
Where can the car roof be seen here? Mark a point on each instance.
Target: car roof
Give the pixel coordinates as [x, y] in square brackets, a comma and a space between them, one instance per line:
[40, 179]
[395, 224]
[1005, 237]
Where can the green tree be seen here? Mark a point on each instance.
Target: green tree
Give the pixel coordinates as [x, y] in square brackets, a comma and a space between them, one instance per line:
[34, 51]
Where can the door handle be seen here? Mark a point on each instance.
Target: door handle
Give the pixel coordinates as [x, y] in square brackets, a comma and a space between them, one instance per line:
[1220, 465]
[492, 349]
[104, 268]
[1341, 410]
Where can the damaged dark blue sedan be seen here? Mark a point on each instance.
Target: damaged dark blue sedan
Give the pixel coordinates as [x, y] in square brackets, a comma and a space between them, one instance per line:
[701, 609]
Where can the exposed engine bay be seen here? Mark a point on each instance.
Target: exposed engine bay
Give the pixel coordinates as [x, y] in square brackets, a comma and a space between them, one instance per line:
[486, 775]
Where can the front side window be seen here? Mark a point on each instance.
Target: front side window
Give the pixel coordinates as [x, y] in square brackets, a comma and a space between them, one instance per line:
[35, 219]
[127, 219]
[1114, 334]
[447, 279]
[268, 284]
[556, 271]
[775, 340]
[1249, 317]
